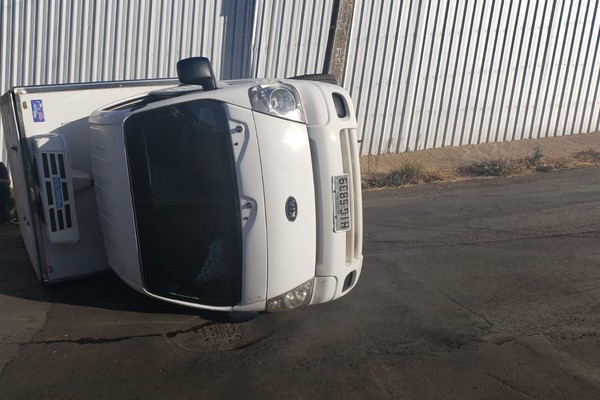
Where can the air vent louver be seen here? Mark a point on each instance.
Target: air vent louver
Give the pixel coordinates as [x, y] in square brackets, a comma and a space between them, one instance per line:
[56, 189]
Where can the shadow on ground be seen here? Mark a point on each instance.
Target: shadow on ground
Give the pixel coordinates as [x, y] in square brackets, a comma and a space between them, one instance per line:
[105, 290]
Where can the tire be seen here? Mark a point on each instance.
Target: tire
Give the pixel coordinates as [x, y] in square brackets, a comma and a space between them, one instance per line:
[327, 78]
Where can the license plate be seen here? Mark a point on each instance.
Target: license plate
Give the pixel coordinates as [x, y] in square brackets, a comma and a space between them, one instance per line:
[341, 197]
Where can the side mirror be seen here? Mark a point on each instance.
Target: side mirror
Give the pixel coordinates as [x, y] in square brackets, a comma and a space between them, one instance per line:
[196, 71]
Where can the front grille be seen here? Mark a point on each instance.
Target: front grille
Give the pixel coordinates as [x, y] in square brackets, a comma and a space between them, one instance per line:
[351, 166]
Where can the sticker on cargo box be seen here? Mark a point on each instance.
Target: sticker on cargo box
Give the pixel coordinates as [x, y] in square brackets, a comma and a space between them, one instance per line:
[57, 192]
[37, 109]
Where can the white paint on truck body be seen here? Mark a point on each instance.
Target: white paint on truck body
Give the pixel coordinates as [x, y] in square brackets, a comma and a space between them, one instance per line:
[285, 174]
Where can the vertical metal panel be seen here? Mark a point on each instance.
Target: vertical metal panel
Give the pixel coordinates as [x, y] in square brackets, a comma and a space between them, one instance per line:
[485, 64]
[473, 22]
[290, 37]
[438, 64]
[423, 74]
[540, 42]
[586, 67]
[435, 73]
[448, 67]
[70, 41]
[593, 107]
[523, 70]
[582, 63]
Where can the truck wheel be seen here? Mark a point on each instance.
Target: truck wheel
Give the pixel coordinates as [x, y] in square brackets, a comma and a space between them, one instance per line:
[327, 78]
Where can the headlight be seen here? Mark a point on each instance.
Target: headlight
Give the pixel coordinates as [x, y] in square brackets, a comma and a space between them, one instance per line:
[280, 100]
[295, 298]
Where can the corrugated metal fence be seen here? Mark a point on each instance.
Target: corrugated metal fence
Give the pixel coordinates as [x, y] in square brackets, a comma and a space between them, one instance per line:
[423, 74]
[59, 41]
[71, 41]
[290, 37]
[428, 74]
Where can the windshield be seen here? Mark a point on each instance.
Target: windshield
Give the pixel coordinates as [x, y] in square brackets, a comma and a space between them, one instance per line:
[185, 201]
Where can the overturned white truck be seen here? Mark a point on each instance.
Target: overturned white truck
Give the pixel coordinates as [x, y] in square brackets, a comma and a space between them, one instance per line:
[229, 196]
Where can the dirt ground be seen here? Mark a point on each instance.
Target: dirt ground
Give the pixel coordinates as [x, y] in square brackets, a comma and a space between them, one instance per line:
[451, 158]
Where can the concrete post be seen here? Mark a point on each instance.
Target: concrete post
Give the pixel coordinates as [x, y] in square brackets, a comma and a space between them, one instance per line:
[339, 39]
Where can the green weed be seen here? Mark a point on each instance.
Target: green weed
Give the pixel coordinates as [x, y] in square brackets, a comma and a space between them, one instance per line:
[535, 160]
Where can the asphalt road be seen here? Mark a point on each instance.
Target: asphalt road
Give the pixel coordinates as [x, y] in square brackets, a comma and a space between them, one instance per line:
[485, 289]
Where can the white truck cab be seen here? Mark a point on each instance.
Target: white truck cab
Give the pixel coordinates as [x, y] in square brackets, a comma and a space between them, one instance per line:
[233, 196]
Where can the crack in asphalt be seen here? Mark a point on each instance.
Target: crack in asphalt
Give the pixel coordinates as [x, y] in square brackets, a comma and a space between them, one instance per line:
[504, 383]
[20, 345]
[504, 341]
[468, 309]
[499, 339]
[580, 337]
[565, 361]
[86, 341]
